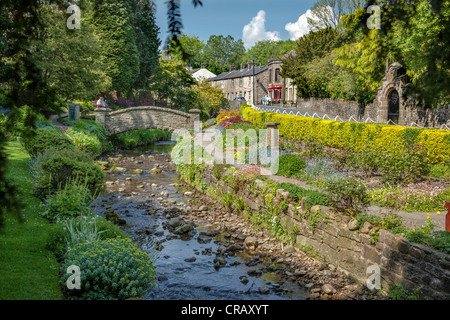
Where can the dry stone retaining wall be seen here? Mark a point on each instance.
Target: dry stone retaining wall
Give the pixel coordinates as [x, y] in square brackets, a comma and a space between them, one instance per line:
[341, 242]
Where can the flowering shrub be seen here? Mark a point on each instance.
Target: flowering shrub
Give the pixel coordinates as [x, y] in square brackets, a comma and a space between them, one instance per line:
[297, 193]
[413, 197]
[229, 121]
[225, 114]
[113, 269]
[356, 136]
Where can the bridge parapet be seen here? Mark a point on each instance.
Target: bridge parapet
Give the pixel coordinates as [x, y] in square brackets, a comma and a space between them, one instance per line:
[145, 117]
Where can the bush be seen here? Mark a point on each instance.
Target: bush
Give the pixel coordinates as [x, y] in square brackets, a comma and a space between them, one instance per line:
[71, 201]
[348, 194]
[290, 165]
[297, 193]
[225, 114]
[83, 228]
[85, 141]
[45, 139]
[356, 136]
[110, 269]
[404, 167]
[53, 169]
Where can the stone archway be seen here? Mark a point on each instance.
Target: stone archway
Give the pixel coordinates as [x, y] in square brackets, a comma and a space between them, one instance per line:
[146, 118]
[389, 97]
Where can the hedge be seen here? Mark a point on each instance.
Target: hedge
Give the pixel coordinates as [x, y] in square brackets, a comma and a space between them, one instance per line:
[356, 136]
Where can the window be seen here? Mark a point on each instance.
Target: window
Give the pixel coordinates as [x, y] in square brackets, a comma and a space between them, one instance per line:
[240, 82]
[232, 83]
[277, 74]
[223, 84]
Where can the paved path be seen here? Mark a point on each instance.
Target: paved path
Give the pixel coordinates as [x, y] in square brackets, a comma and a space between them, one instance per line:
[411, 219]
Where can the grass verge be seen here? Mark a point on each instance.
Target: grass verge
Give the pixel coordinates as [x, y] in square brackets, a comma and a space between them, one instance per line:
[28, 271]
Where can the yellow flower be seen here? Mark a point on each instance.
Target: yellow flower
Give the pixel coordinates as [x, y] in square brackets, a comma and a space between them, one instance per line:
[438, 212]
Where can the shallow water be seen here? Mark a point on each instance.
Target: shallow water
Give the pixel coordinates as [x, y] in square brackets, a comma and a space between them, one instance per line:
[197, 278]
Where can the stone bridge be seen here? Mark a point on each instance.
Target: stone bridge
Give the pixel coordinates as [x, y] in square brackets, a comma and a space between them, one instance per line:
[145, 118]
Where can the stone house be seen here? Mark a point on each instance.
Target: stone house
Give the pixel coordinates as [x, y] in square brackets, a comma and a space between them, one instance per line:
[268, 82]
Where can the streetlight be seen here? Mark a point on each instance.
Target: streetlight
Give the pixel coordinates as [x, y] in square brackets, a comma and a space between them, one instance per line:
[253, 95]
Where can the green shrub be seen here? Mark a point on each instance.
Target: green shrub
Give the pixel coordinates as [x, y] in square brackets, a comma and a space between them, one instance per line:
[348, 194]
[297, 193]
[290, 165]
[405, 167]
[71, 201]
[110, 269]
[45, 139]
[58, 243]
[85, 141]
[397, 292]
[53, 169]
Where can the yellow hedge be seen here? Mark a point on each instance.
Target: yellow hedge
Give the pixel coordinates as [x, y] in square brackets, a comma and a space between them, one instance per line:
[356, 136]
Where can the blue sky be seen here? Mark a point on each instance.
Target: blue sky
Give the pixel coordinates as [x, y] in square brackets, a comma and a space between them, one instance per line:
[259, 19]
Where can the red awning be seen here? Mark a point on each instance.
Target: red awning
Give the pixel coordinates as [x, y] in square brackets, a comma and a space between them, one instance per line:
[275, 87]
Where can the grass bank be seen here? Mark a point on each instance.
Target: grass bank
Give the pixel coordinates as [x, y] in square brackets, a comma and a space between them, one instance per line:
[28, 271]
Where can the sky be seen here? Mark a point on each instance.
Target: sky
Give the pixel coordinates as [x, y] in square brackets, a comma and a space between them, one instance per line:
[249, 20]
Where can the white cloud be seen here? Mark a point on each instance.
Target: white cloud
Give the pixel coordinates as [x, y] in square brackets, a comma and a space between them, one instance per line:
[256, 31]
[300, 28]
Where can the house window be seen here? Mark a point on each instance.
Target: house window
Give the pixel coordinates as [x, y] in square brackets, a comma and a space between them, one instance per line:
[277, 74]
[223, 84]
[232, 83]
[240, 82]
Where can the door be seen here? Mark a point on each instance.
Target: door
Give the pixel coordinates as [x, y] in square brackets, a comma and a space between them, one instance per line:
[393, 106]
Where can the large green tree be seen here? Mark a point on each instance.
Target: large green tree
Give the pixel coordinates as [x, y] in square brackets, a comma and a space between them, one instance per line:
[267, 49]
[220, 52]
[191, 46]
[147, 41]
[314, 45]
[69, 59]
[114, 21]
[173, 84]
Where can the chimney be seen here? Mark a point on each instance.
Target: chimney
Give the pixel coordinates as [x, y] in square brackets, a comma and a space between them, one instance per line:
[233, 67]
[203, 66]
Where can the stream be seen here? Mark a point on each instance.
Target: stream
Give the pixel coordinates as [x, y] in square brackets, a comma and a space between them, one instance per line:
[194, 261]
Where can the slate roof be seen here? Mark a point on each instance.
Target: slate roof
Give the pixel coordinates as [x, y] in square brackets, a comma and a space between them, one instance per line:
[238, 73]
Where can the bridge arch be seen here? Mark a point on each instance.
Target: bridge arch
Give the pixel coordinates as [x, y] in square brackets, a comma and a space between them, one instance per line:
[145, 117]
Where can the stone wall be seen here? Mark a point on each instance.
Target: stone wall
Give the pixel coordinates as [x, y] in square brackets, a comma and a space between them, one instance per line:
[347, 245]
[146, 118]
[339, 107]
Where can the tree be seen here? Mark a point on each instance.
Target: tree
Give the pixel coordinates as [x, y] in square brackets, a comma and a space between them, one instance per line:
[210, 99]
[192, 46]
[147, 41]
[115, 25]
[328, 13]
[172, 83]
[220, 52]
[314, 45]
[267, 49]
[69, 59]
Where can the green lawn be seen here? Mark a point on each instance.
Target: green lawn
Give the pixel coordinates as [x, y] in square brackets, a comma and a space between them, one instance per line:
[28, 271]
